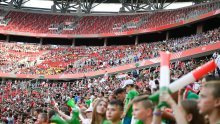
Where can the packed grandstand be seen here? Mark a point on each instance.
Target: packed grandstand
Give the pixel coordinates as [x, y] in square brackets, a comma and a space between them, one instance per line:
[113, 69]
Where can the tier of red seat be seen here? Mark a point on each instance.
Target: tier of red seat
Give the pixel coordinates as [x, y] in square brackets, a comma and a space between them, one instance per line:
[15, 54]
[40, 23]
[69, 60]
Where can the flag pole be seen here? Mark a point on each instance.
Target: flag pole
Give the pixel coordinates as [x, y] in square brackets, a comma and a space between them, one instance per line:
[164, 74]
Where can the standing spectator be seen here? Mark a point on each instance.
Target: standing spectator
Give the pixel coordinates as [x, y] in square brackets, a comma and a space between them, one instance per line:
[192, 112]
[131, 94]
[42, 119]
[143, 109]
[120, 94]
[10, 119]
[217, 60]
[99, 111]
[37, 112]
[209, 101]
[186, 113]
[135, 72]
[114, 112]
[152, 84]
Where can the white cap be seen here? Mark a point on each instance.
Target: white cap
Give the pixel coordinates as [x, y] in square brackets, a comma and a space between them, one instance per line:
[127, 82]
[92, 97]
[90, 109]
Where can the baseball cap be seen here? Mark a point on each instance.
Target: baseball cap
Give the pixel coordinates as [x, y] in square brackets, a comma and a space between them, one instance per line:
[127, 82]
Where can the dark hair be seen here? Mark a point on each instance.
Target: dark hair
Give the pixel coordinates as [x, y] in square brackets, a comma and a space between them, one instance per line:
[210, 78]
[10, 114]
[131, 85]
[190, 107]
[157, 82]
[51, 113]
[137, 87]
[117, 103]
[67, 112]
[148, 89]
[119, 91]
[102, 93]
[39, 110]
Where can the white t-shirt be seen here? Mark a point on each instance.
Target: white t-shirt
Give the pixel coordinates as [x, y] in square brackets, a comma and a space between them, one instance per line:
[10, 120]
[217, 60]
[152, 84]
[86, 121]
[196, 86]
[89, 85]
[128, 81]
[214, 55]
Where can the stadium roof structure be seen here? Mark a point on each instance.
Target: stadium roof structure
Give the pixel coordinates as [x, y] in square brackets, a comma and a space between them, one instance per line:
[87, 6]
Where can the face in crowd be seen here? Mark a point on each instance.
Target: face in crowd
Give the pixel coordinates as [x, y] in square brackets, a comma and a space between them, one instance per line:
[192, 111]
[142, 108]
[101, 107]
[209, 97]
[128, 88]
[42, 118]
[98, 115]
[120, 94]
[114, 110]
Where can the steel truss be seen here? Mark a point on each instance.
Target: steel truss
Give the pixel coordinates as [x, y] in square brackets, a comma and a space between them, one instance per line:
[79, 6]
[15, 3]
[85, 6]
[144, 5]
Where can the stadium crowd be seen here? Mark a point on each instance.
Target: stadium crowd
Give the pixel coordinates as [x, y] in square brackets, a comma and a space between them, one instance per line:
[100, 100]
[120, 98]
[69, 60]
[16, 55]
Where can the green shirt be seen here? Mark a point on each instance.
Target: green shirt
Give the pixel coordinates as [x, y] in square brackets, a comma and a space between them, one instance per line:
[192, 95]
[139, 122]
[130, 96]
[88, 102]
[109, 122]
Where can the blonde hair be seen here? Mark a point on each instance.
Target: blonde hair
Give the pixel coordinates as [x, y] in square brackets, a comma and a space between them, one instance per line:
[146, 102]
[96, 117]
